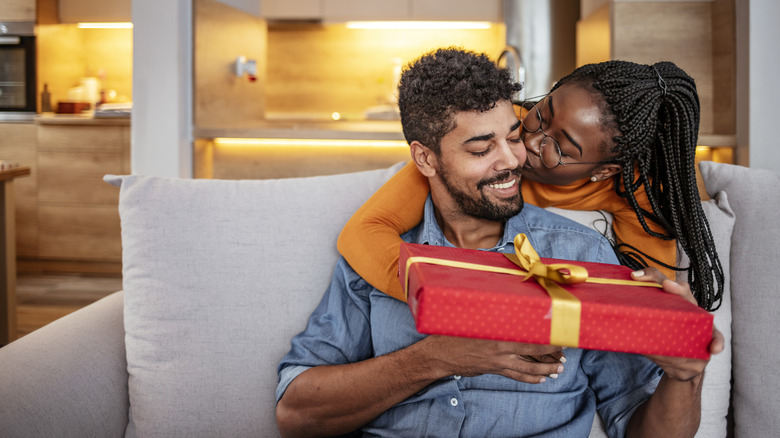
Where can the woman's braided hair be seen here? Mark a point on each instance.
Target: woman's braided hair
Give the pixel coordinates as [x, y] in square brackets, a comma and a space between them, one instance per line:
[655, 111]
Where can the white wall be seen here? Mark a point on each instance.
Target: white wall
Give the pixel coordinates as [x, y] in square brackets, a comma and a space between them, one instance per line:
[763, 87]
[162, 88]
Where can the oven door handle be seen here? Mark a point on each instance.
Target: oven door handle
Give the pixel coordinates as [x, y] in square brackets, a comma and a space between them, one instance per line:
[10, 40]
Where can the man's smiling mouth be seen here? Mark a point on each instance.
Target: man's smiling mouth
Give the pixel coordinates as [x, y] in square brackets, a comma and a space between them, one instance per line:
[505, 185]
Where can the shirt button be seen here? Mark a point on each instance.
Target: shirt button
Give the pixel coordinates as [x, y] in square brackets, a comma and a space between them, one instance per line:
[454, 402]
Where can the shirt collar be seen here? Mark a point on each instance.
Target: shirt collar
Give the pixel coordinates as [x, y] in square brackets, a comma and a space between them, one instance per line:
[430, 233]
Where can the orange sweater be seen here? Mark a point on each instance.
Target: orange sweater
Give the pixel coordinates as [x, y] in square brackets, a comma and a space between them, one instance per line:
[370, 241]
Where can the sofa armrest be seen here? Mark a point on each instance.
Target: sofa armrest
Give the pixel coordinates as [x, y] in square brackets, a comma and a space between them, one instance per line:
[68, 378]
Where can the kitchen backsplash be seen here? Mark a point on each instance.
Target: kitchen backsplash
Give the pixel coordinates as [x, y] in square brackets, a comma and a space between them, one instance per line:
[67, 54]
[319, 69]
[305, 69]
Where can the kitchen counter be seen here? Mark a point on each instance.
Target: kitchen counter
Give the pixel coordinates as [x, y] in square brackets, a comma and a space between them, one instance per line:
[308, 129]
[80, 119]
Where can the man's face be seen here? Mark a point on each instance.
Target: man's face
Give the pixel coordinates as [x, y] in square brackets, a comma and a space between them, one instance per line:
[480, 161]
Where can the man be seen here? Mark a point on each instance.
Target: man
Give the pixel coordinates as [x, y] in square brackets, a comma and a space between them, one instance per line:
[361, 365]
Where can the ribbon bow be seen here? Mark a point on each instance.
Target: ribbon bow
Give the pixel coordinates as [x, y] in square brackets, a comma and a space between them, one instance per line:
[566, 308]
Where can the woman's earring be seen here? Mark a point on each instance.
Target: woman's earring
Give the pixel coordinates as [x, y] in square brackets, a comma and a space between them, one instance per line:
[593, 178]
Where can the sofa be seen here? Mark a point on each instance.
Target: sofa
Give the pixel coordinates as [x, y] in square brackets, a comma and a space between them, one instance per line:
[219, 275]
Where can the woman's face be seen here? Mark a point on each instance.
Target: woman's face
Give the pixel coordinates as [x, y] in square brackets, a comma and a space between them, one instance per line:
[571, 116]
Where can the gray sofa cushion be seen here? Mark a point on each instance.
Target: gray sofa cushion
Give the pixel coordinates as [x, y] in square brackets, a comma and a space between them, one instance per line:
[754, 195]
[67, 379]
[207, 278]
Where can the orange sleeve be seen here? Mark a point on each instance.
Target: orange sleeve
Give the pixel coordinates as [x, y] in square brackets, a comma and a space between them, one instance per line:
[371, 242]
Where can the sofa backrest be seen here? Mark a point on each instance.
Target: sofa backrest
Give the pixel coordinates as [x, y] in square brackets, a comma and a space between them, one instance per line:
[219, 275]
[754, 196]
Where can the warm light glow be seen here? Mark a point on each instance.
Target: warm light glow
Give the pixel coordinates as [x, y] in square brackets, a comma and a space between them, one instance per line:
[318, 142]
[702, 149]
[335, 116]
[424, 25]
[105, 25]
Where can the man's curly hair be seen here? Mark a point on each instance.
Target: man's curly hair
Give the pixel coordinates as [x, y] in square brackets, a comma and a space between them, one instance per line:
[446, 81]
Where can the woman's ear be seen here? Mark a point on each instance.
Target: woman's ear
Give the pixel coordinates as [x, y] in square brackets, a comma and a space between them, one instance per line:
[424, 158]
[606, 171]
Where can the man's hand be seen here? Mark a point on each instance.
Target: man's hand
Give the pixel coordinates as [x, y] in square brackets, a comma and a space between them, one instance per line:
[529, 363]
[679, 368]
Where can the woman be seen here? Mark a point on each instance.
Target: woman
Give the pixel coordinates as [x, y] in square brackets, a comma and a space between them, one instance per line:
[615, 136]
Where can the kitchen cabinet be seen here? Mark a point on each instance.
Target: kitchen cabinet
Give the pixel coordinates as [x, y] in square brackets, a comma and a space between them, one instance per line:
[291, 9]
[77, 212]
[17, 10]
[469, 10]
[697, 36]
[18, 143]
[66, 216]
[383, 10]
[342, 10]
[79, 11]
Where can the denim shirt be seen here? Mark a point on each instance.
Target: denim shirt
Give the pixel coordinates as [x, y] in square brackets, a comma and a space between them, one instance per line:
[354, 322]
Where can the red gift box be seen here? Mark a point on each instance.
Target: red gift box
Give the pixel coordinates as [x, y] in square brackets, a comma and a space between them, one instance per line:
[470, 301]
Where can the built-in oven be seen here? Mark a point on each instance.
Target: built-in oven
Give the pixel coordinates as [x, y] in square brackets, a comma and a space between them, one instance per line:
[17, 70]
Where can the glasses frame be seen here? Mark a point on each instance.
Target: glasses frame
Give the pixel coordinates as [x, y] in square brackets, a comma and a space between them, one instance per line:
[545, 142]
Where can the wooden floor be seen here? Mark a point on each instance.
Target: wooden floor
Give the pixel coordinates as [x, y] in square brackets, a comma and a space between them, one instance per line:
[42, 299]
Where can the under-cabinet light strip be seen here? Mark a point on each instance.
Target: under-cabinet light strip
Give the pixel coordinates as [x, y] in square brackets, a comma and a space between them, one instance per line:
[308, 142]
[105, 25]
[418, 25]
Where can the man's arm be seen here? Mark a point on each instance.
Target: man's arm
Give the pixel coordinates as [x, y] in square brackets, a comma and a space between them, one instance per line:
[675, 407]
[337, 399]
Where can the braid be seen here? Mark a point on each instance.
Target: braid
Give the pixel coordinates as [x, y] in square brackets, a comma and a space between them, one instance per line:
[655, 109]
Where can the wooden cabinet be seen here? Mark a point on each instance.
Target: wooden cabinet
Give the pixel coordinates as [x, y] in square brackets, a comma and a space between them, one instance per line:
[384, 10]
[697, 36]
[66, 216]
[17, 10]
[291, 9]
[18, 142]
[342, 10]
[77, 11]
[78, 218]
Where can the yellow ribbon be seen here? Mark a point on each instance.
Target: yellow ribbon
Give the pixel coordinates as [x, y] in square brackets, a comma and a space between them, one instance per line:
[566, 308]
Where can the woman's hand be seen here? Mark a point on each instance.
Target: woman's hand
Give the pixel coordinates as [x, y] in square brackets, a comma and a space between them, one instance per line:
[679, 368]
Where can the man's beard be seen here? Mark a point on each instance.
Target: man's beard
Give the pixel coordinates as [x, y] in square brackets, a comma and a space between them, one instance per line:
[481, 207]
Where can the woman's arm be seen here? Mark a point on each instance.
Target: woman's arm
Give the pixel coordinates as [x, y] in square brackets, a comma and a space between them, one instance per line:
[370, 241]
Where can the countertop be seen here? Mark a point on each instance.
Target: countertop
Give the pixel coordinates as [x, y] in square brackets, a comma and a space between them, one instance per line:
[80, 119]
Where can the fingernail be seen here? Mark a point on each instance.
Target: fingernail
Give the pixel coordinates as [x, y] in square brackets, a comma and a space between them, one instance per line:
[542, 380]
[562, 359]
[638, 273]
[560, 368]
[554, 376]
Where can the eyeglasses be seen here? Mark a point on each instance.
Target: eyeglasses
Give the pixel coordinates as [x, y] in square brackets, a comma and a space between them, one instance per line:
[549, 149]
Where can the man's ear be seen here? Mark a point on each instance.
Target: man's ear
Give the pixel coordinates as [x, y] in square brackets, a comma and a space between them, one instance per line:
[606, 171]
[424, 158]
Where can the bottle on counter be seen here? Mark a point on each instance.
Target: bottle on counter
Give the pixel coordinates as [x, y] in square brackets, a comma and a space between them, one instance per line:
[45, 99]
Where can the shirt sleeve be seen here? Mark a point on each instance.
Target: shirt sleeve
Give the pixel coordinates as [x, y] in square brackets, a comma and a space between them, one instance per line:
[621, 382]
[338, 332]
